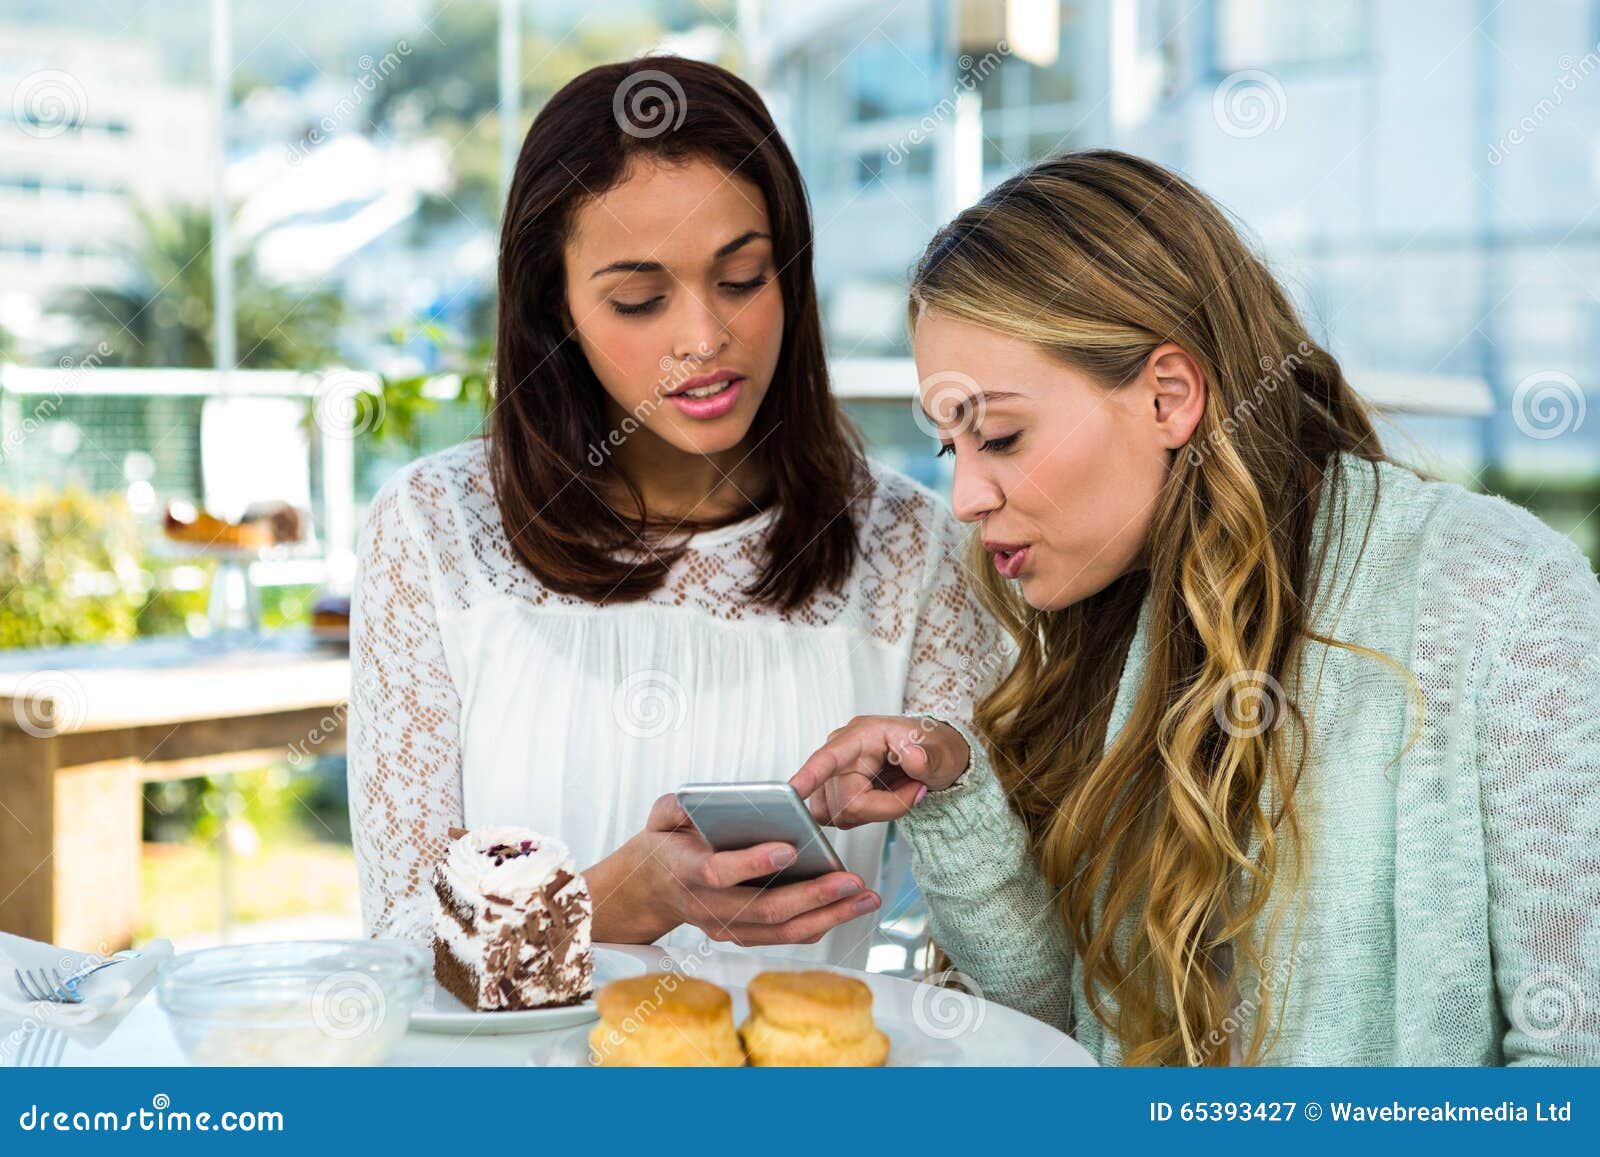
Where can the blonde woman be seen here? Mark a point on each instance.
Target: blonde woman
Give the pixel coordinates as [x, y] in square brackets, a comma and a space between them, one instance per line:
[1298, 760]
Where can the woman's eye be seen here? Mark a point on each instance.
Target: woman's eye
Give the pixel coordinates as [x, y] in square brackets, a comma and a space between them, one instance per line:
[750, 286]
[992, 446]
[630, 308]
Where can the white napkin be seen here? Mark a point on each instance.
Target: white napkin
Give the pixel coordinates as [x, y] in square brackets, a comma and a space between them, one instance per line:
[100, 992]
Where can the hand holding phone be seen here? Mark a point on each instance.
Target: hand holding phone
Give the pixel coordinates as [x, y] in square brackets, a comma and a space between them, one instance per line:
[740, 815]
[668, 875]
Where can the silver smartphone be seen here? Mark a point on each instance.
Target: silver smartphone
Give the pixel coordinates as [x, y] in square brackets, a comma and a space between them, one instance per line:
[732, 816]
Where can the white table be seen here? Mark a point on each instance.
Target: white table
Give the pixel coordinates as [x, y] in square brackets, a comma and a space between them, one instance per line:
[137, 1033]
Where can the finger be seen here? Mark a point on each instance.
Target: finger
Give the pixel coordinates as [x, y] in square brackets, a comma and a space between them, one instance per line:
[822, 765]
[725, 869]
[808, 926]
[842, 789]
[917, 761]
[667, 815]
[860, 743]
[876, 807]
[779, 902]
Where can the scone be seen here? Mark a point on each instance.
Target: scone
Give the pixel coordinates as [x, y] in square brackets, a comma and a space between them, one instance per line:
[662, 1018]
[811, 1018]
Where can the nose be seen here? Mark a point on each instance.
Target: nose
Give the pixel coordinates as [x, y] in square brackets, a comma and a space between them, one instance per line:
[974, 495]
[702, 334]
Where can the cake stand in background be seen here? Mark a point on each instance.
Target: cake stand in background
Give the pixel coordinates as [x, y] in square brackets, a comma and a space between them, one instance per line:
[233, 604]
[272, 531]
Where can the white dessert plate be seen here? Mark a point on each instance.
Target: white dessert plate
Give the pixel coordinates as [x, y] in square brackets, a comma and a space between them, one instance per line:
[909, 1046]
[438, 1011]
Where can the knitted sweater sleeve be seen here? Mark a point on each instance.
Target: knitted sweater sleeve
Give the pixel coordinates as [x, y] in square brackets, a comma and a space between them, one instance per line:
[991, 911]
[1538, 762]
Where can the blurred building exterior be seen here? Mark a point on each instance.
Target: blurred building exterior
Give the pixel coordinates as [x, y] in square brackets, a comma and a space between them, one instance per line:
[1423, 174]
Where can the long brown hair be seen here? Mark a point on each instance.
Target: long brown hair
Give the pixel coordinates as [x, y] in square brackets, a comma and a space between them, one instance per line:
[547, 413]
[1183, 825]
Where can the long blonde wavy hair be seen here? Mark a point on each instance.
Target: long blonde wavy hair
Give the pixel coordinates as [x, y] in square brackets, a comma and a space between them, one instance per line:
[1186, 826]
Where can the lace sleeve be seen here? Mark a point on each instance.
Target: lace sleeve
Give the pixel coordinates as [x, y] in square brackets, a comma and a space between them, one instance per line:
[404, 753]
[1539, 778]
[957, 650]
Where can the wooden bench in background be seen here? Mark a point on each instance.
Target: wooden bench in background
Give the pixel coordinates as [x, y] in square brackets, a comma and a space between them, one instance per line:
[83, 728]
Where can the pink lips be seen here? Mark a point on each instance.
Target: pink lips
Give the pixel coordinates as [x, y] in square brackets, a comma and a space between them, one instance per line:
[704, 409]
[1009, 558]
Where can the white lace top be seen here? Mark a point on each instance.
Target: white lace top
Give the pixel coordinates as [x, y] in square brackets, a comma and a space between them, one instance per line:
[482, 697]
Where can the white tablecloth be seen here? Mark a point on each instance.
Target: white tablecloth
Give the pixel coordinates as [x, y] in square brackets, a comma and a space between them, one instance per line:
[140, 1035]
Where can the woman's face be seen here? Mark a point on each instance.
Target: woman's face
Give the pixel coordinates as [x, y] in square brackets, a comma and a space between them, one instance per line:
[674, 295]
[1061, 472]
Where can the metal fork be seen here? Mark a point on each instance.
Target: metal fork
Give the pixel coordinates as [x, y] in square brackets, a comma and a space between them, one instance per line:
[48, 985]
[42, 1048]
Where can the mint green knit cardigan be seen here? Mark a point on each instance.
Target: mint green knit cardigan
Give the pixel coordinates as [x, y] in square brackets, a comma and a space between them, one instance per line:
[1451, 913]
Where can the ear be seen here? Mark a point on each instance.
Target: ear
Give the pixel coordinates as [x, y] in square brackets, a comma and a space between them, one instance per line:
[1177, 394]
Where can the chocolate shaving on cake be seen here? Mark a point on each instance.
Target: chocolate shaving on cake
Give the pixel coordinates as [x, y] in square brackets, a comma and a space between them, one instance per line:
[530, 948]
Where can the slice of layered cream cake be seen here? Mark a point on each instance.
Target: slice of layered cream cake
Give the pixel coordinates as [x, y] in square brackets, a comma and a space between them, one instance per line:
[512, 921]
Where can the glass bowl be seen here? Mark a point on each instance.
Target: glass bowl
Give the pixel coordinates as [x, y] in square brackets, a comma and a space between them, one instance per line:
[308, 1002]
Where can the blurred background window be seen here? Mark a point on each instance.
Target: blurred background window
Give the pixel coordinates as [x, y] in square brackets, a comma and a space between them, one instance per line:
[1264, 34]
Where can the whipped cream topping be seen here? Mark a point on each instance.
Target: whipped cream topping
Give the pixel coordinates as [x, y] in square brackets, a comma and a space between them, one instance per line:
[471, 868]
[505, 936]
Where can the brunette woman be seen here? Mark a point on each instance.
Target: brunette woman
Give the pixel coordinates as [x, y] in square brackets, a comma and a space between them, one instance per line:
[668, 559]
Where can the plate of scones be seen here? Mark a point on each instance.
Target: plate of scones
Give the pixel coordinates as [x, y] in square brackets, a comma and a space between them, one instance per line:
[782, 1018]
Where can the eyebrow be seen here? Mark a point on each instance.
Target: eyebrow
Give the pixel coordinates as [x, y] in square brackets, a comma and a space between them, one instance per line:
[987, 396]
[733, 246]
